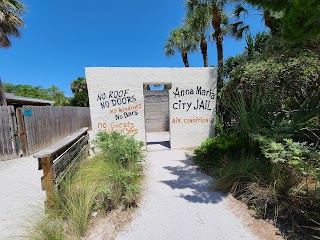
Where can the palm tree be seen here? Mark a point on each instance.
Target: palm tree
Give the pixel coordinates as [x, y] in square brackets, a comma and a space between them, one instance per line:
[256, 45]
[199, 20]
[216, 8]
[269, 19]
[10, 21]
[182, 39]
[221, 26]
[78, 85]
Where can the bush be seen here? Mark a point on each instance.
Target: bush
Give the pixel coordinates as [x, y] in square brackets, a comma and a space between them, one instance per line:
[235, 170]
[119, 148]
[211, 150]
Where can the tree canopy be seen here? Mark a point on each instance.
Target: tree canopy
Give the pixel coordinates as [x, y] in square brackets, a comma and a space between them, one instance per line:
[299, 18]
[53, 93]
[80, 91]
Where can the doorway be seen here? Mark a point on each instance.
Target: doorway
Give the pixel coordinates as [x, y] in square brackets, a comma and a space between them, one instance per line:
[157, 116]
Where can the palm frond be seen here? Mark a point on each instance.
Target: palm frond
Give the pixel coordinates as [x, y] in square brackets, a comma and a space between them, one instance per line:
[191, 5]
[240, 9]
[10, 20]
[238, 29]
[169, 47]
[183, 39]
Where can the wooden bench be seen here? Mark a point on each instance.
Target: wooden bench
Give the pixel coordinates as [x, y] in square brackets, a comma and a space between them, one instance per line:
[47, 157]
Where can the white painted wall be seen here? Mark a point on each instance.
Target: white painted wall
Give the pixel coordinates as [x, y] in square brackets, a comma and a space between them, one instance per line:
[189, 123]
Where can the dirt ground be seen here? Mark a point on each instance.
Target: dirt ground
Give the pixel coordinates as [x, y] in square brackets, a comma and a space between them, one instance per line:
[264, 229]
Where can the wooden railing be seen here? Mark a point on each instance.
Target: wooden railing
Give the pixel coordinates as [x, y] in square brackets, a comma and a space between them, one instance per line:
[57, 160]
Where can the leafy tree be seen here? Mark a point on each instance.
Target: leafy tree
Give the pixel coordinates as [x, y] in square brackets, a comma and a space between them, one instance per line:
[10, 21]
[53, 93]
[232, 65]
[255, 48]
[80, 90]
[299, 19]
[8, 87]
[302, 20]
[3, 101]
[57, 96]
[291, 75]
[27, 91]
[183, 39]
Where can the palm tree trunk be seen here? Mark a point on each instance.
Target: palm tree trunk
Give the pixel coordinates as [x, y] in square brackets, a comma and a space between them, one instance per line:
[185, 58]
[268, 21]
[219, 41]
[216, 22]
[204, 51]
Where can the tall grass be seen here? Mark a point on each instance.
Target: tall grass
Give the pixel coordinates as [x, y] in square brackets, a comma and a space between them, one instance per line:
[236, 169]
[47, 227]
[100, 184]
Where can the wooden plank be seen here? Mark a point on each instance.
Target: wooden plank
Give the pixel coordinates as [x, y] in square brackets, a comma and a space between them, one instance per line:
[156, 110]
[50, 124]
[3, 139]
[22, 131]
[7, 148]
[61, 144]
[14, 135]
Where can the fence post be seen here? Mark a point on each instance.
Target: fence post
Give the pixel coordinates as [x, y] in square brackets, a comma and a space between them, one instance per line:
[46, 163]
[14, 136]
[22, 132]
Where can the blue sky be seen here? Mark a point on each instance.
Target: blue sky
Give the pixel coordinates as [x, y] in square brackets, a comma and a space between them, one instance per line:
[61, 38]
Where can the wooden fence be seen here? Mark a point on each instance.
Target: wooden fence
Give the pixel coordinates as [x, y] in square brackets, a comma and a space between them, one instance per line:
[156, 110]
[47, 125]
[9, 147]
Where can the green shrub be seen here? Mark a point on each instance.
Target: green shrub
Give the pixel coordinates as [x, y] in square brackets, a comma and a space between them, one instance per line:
[300, 157]
[121, 181]
[209, 152]
[119, 148]
[239, 169]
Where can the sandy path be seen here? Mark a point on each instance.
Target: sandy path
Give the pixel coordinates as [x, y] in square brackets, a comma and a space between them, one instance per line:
[177, 204]
[21, 195]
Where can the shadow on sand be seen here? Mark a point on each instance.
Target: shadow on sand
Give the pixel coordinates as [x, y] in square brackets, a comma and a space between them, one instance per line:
[189, 177]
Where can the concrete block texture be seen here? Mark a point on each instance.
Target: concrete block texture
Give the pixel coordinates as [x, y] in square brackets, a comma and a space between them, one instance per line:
[117, 101]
